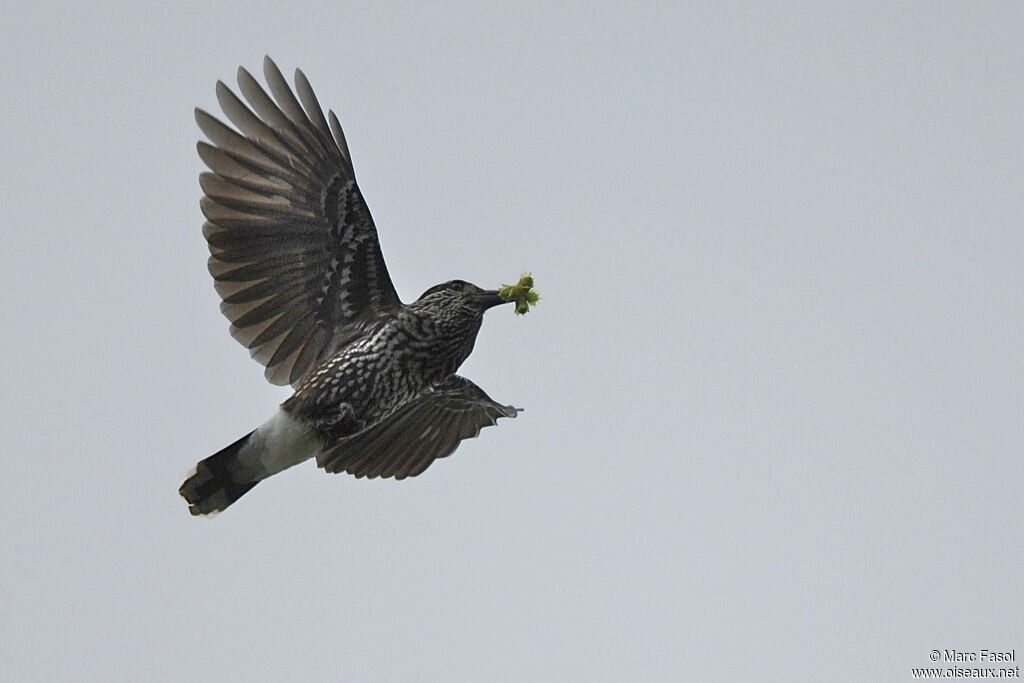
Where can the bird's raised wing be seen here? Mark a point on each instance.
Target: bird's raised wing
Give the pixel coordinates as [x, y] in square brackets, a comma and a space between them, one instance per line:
[293, 249]
[427, 428]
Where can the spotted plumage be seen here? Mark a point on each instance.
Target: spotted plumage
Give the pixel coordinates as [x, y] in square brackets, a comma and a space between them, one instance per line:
[297, 263]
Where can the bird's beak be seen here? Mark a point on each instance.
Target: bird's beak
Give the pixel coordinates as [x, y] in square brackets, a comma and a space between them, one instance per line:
[488, 299]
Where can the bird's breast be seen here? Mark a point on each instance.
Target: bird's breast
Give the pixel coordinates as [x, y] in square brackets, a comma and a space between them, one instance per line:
[371, 377]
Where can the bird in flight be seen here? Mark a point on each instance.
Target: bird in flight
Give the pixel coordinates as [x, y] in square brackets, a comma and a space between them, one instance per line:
[296, 261]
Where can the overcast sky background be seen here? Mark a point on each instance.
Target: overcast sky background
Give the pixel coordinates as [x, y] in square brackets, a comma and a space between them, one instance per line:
[773, 392]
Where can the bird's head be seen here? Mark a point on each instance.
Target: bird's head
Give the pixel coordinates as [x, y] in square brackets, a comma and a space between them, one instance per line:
[452, 313]
[460, 297]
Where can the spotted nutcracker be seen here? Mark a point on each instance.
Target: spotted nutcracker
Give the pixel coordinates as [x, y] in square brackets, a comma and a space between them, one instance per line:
[296, 261]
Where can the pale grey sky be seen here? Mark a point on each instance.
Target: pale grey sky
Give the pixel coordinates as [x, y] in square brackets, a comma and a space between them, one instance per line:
[773, 392]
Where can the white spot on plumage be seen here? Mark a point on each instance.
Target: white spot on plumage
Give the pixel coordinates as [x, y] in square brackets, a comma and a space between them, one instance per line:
[279, 443]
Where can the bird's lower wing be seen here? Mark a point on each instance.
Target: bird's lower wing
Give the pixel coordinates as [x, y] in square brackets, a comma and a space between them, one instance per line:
[429, 427]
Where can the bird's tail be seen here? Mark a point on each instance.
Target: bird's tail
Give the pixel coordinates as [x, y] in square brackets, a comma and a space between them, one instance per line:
[218, 481]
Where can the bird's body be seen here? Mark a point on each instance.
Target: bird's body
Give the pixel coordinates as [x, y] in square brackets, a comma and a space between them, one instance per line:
[404, 355]
[295, 257]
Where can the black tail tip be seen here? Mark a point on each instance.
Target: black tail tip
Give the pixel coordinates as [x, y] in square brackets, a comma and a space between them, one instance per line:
[207, 494]
[212, 487]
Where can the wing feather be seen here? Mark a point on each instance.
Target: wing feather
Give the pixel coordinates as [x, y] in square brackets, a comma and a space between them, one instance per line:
[259, 132]
[239, 172]
[290, 106]
[268, 110]
[339, 138]
[312, 107]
